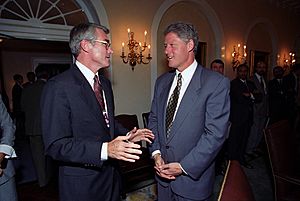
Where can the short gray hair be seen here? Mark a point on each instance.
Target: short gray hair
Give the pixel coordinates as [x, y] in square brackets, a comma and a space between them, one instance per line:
[185, 32]
[84, 31]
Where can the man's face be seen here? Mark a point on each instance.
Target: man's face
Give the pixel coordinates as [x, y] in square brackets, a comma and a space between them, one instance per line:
[217, 67]
[242, 73]
[101, 51]
[278, 73]
[177, 51]
[261, 68]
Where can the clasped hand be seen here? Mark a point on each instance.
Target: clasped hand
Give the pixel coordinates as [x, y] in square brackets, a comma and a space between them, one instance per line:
[167, 171]
[124, 147]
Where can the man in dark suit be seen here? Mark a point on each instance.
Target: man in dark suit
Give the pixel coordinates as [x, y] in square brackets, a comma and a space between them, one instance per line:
[30, 104]
[78, 123]
[189, 118]
[277, 96]
[290, 83]
[243, 93]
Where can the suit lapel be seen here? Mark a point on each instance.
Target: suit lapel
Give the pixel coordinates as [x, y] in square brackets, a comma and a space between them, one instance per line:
[164, 98]
[88, 96]
[188, 101]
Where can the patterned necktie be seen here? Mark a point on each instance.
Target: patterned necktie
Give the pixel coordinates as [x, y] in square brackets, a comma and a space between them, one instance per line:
[98, 92]
[99, 95]
[172, 104]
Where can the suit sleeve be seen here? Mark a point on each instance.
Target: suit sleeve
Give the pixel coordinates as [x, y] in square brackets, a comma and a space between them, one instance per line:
[57, 128]
[153, 121]
[7, 134]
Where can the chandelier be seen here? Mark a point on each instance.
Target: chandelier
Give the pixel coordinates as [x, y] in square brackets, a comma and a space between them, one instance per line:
[135, 51]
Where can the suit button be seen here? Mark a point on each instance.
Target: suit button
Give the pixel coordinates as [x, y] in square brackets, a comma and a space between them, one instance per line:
[167, 147]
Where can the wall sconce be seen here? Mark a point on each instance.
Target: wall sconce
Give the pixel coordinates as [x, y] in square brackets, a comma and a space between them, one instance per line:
[237, 57]
[288, 63]
[135, 51]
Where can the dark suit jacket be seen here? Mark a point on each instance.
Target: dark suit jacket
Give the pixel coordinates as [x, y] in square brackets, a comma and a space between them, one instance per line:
[30, 104]
[241, 110]
[74, 131]
[277, 101]
[198, 131]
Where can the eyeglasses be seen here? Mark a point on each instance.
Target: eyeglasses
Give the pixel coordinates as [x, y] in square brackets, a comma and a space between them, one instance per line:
[107, 44]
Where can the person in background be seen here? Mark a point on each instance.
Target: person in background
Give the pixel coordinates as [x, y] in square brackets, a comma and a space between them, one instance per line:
[291, 85]
[31, 79]
[78, 126]
[243, 93]
[17, 113]
[260, 111]
[7, 172]
[217, 65]
[30, 104]
[189, 118]
[277, 96]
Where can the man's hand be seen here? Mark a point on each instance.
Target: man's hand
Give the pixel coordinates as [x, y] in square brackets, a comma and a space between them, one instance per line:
[137, 135]
[121, 149]
[167, 171]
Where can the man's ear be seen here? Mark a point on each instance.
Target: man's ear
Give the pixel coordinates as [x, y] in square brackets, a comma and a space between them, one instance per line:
[85, 45]
[191, 45]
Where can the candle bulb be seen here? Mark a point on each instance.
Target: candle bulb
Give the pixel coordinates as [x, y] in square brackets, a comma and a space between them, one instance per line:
[123, 44]
[145, 38]
[128, 30]
[149, 48]
[238, 50]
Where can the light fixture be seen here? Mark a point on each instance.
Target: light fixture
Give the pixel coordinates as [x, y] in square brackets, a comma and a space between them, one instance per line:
[237, 57]
[289, 62]
[135, 51]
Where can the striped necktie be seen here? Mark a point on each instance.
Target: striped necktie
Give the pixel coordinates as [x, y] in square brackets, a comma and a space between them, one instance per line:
[172, 105]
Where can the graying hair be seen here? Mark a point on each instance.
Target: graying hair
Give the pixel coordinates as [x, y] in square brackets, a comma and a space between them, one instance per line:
[185, 32]
[84, 31]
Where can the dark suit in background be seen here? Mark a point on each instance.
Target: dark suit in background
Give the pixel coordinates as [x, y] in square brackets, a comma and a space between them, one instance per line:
[241, 114]
[30, 103]
[277, 97]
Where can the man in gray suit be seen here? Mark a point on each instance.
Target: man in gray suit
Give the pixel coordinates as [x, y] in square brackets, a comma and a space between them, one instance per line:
[260, 111]
[189, 117]
[7, 172]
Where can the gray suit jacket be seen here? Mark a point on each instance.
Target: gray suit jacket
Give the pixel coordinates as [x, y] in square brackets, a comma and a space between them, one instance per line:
[198, 131]
[7, 137]
[261, 107]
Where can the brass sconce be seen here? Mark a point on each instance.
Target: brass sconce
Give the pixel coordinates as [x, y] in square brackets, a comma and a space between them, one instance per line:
[135, 51]
[237, 57]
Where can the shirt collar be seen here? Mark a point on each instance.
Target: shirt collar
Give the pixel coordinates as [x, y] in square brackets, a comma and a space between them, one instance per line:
[188, 73]
[88, 74]
[258, 76]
